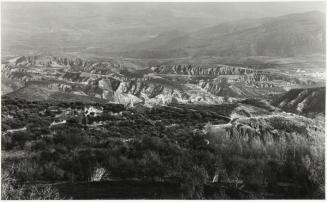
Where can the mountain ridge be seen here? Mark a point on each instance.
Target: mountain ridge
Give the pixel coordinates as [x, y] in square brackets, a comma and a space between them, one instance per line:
[284, 36]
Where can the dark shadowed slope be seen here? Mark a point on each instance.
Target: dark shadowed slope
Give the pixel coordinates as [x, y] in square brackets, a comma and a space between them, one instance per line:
[303, 101]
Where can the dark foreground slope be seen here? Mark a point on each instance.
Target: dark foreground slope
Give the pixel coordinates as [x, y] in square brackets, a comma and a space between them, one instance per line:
[260, 153]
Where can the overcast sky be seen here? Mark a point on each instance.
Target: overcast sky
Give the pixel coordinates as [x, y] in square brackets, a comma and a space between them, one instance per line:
[221, 10]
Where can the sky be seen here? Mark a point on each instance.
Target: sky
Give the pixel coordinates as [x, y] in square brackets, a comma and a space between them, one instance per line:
[233, 10]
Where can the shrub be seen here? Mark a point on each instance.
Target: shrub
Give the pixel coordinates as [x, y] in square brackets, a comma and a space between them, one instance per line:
[12, 190]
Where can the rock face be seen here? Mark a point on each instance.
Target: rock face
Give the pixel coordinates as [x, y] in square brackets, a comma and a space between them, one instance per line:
[160, 85]
[214, 70]
[73, 63]
[48, 61]
[60, 87]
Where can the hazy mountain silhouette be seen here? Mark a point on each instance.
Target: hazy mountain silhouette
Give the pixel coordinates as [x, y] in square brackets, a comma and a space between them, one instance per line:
[284, 36]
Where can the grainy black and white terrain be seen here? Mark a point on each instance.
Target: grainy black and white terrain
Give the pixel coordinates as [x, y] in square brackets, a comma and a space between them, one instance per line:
[163, 101]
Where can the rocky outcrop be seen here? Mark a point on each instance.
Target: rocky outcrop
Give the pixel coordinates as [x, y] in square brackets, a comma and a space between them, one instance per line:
[210, 70]
[229, 73]
[48, 61]
[73, 63]
[255, 77]
[60, 87]
[139, 91]
[187, 83]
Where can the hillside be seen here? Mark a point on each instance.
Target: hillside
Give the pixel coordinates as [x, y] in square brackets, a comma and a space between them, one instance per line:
[45, 77]
[260, 152]
[309, 101]
[289, 35]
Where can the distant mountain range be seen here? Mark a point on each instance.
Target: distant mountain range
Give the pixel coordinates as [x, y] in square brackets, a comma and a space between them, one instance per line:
[166, 34]
[285, 36]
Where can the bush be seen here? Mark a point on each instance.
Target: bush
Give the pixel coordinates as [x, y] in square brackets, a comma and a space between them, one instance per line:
[12, 190]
